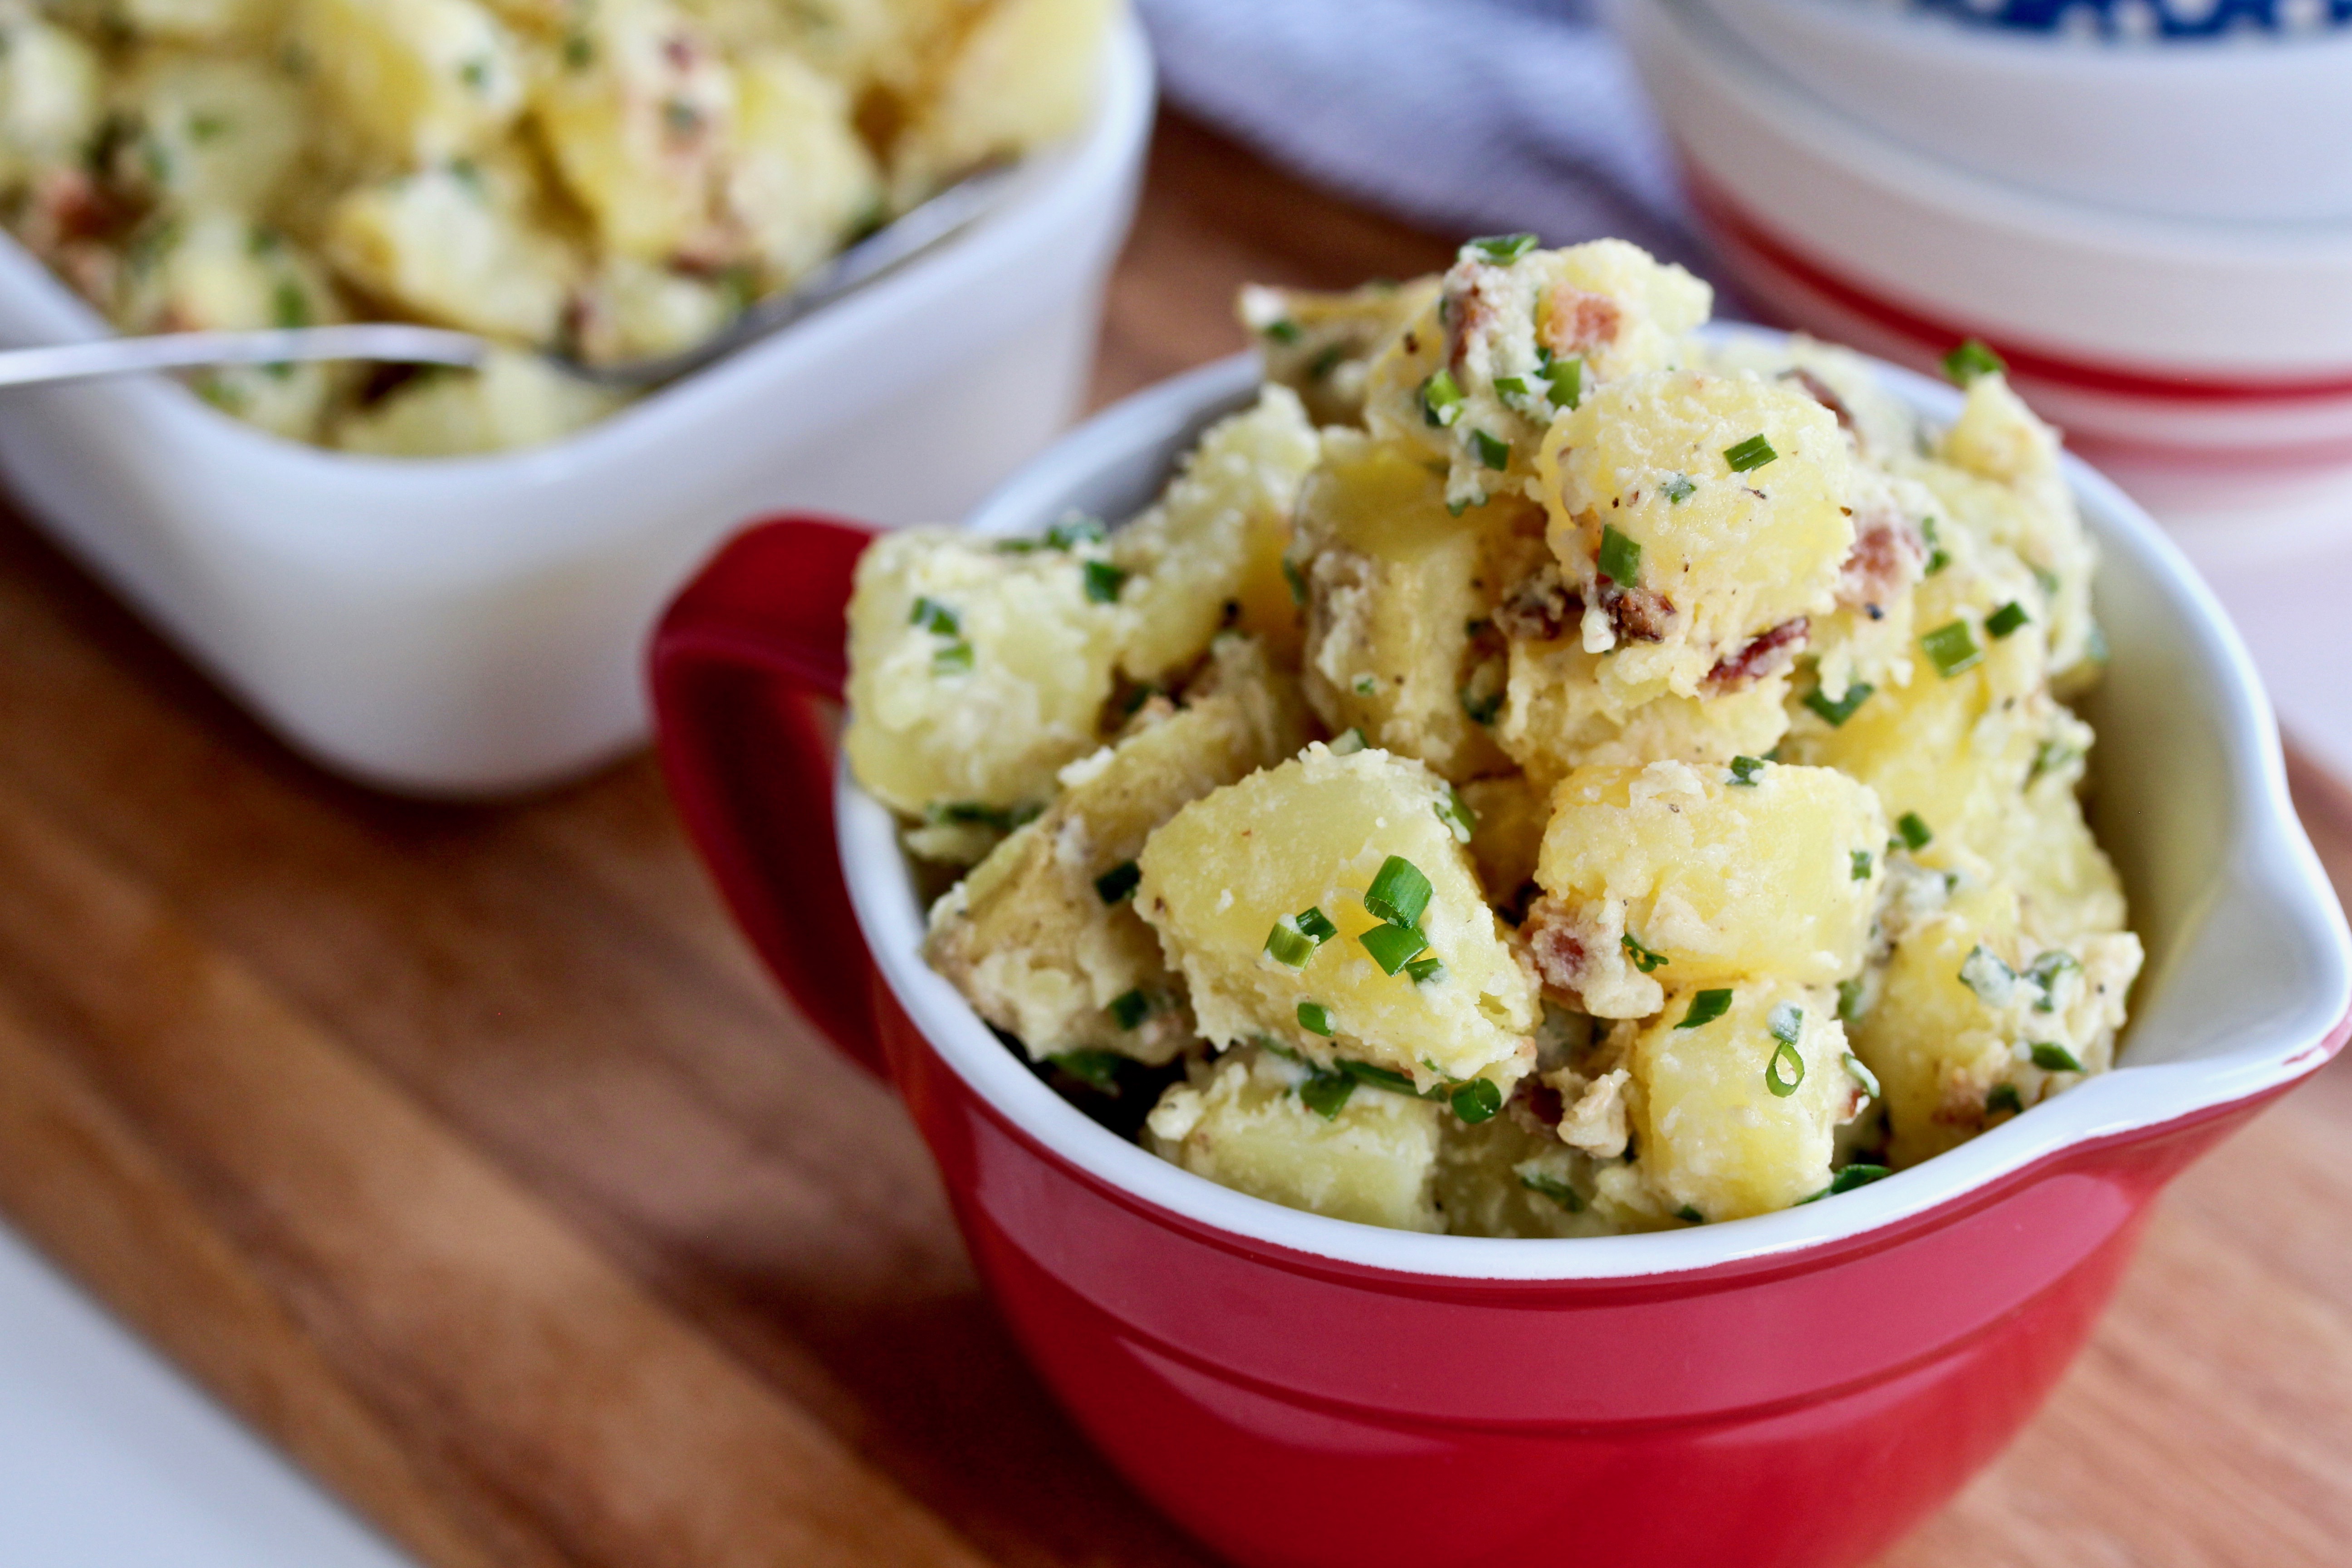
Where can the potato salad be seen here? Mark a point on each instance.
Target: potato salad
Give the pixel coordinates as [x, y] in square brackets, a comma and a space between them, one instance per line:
[1533, 772]
[609, 179]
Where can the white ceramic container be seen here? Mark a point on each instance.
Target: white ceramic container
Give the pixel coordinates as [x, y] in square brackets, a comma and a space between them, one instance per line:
[2250, 128]
[473, 626]
[2163, 339]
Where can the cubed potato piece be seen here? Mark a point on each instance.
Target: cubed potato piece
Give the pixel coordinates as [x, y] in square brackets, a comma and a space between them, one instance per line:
[1322, 345]
[1245, 1126]
[1026, 74]
[198, 131]
[51, 98]
[176, 21]
[515, 400]
[1716, 878]
[1952, 1028]
[215, 271]
[1398, 593]
[1734, 1118]
[1719, 556]
[1519, 341]
[633, 309]
[801, 182]
[1560, 714]
[1314, 834]
[419, 80]
[1884, 426]
[976, 672]
[1509, 813]
[1501, 1178]
[641, 121]
[1031, 939]
[456, 244]
[1208, 552]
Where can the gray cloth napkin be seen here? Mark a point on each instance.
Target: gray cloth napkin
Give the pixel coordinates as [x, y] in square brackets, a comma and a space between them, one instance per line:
[1461, 116]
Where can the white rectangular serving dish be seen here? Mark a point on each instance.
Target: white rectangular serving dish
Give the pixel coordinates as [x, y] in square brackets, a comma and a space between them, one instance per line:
[475, 626]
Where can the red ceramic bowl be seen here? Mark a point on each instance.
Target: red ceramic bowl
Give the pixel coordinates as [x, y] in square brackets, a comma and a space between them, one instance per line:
[1795, 1389]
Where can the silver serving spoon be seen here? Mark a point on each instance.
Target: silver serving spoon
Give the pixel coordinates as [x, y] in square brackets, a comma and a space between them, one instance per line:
[917, 230]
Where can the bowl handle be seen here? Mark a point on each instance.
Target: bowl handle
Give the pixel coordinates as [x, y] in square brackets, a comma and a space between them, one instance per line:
[740, 664]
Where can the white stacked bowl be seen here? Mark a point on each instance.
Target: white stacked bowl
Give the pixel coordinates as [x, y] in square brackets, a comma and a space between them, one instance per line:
[2102, 214]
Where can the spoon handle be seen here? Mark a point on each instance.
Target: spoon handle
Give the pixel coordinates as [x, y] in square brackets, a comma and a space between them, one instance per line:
[390, 343]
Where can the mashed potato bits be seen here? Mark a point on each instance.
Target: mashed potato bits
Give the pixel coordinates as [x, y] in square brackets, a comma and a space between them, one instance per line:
[1533, 774]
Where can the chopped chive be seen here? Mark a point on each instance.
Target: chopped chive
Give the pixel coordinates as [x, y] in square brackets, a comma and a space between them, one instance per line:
[1847, 1180]
[2094, 645]
[1477, 1101]
[1347, 742]
[1481, 710]
[1994, 982]
[1706, 1008]
[1392, 945]
[2053, 1058]
[1690, 1215]
[1861, 862]
[1455, 815]
[1620, 558]
[1504, 248]
[1297, 579]
[953, 660]
[1951, 649]
[1326, 363]
[2006, 620]
[1313, 922]
[1495, 453]
[1103, 582]
[1099, 1069]
[1511, 385]
[1116, 885]
[1849, 1001]
[1679, 488]
[1365, 686]
[1399, 893]
[1388, 1078]
[1971, 359]
[2003, 1096]
[2046, 579]
[1441, 398]
[1785, 1072]
[1566, 379]
[1836, 713]
[1937, 556]
[1915, 831]
[1076, 528]
[2044, 972]
[1424, 970]
[1786, 1022]
[1326, 1092]
[1861, 1074]
[936, 618]
[579, 51]
[1282, 330]
[1555, 1189]
[1645, 959]
[1129, 1010]
[2050, 757]
[1751, 454]
[1315, 1019]
[1287, 944]
[1745, 770]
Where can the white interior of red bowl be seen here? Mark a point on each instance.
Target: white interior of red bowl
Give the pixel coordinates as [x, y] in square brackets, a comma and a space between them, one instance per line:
[2249, 967]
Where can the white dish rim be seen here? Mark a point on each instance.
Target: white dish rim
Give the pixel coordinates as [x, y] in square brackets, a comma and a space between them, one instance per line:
[2265, 835]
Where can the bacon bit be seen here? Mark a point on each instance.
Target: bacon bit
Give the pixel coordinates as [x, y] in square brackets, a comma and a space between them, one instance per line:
[67, 204]
[1544, 1103]
[1887, 557]
[1766, 654]
[680, 50]
[1820, 392]
[1539, 608]
[1576, 322]
[1466, 308]
[1560, 943]
[1638, 614]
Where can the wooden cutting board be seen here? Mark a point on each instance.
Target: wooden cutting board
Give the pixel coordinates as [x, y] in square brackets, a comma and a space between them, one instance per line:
[466, 1153]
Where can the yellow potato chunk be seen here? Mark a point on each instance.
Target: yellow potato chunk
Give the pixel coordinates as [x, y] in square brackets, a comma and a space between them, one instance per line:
[1500, 1178]
[1509, 815]
[1322, 345]
[1720, 878]
[1245, 1126]
[1560, 714]
[1317, 833]
[202, 132]
[180, 21]
[1952, 1027]
[1031, 938]
[1734, 1117]
[975, 673]
[456, 244]
[1023, 76]
[1718, 556]
[515, 400]
[634, 310]
[801, 182]
[1208, 552]
[419, 80]
[1398, 593]
[50, 98]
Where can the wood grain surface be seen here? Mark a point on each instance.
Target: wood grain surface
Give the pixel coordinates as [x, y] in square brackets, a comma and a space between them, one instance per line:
[466, 1153]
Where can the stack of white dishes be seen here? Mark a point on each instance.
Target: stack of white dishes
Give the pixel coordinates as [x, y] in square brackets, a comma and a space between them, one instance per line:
[2144, 206]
